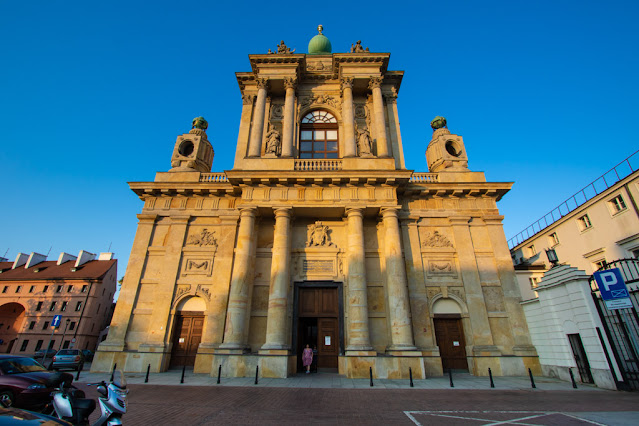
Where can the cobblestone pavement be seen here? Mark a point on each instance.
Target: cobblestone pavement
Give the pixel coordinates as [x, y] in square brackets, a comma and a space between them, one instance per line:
[332, 399]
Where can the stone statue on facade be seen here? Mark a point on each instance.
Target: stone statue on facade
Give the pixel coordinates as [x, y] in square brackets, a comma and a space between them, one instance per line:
[282, 49]
[273, 142]
[357, 48]
[318, 235]
[364, 143]
[205, 238]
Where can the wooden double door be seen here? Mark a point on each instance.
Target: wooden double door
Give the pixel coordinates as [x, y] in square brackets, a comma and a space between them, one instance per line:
[187, 338]
[450, 339]
[318, 325]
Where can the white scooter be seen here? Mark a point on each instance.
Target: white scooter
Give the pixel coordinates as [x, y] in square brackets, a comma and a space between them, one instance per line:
[71, 405]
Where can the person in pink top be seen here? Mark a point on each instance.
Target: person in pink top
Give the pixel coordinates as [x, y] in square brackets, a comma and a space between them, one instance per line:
[307, 358]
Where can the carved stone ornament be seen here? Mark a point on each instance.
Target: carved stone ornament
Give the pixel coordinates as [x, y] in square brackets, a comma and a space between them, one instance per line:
[205, 238]
[199, 123]
[290, 82]
[357, 47]
[360, 111]
[317, 66]
[282, 49]
[318, 235]
[273, 143]
[194, 264]
[248, 99]
[307, 101]
[346, 82]
[436, 239]
[441, 267]
[375, 82]
[277, 111]
[262, 82]
[364, 143]
[438, 123]
[181, 291]
[203, 291]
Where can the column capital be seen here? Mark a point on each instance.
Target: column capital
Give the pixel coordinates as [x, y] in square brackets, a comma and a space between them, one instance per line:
[180, 219]
[262, 82]
[247, 212]
[390, 211]
[248, 99]
[147, 218]
[355, 211]
[290, 82]
[283, 211]
[375, 82]
[346, 83]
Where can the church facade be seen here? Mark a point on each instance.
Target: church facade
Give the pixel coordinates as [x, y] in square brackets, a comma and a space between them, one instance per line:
[320, 236]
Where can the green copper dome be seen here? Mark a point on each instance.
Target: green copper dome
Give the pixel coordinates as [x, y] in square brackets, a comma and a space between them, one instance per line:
[320, 44]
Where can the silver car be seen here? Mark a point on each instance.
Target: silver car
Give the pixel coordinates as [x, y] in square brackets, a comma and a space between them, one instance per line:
[68, 358]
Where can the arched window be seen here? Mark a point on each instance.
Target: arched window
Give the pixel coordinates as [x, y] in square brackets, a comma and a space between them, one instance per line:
[318, 135]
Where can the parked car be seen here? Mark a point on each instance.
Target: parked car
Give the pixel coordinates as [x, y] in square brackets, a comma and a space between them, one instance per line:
[68, 358]
[15, 416]
[25, 383]
[88, 355]
[45, 353]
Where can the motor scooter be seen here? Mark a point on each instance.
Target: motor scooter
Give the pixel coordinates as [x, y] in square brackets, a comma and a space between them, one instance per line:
[70, 404]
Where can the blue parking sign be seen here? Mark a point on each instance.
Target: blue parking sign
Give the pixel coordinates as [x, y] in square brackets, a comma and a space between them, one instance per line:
[613, 289]
[56, 321]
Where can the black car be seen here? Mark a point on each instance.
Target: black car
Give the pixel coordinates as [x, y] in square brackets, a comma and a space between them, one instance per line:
[25, 383]
[88, 355]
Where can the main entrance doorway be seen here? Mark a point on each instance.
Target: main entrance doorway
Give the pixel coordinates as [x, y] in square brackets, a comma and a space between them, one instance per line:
[318, 315]
[188, 334]
[450, 339]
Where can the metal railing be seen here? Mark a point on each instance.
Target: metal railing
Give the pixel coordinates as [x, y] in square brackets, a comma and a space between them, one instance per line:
[214, 177]
[424, 178]
[318, 165]
[596, 187]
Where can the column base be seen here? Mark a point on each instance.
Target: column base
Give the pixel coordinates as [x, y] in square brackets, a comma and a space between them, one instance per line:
[233, 348]
[401, 348]
[276, 346]
[364, 351]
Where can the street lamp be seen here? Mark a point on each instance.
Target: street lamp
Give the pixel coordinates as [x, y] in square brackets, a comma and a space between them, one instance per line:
[66, 325]
[551, 254]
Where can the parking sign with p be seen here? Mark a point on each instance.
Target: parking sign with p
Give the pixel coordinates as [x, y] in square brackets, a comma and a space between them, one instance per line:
[613, 289]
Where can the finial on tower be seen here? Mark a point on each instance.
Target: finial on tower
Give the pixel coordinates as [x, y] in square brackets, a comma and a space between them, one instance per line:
[438, 123]
[320, 28]
[199, 123]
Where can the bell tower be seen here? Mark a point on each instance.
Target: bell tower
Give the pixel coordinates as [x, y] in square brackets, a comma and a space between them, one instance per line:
[446, 152]
[193, 151]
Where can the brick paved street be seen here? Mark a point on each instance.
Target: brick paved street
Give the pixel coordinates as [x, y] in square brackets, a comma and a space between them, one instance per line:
[211, 404]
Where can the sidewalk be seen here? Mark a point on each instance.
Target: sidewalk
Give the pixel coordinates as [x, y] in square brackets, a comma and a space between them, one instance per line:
[335, 381]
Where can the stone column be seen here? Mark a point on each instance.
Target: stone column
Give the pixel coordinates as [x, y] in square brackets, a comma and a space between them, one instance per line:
[397, 285]
[375, 85]
[255, 144]
[289, 117]
[358, 334]
[277, 297]
[350, 145]
[241, 281]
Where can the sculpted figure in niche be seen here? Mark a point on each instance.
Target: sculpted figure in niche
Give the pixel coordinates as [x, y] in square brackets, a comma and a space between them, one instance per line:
[273, 143]
[364, 144]
[318, 236]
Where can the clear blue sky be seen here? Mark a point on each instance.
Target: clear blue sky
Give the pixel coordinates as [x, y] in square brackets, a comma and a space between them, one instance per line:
[93, 94]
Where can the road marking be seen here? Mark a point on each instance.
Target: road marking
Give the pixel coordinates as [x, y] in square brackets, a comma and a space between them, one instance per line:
[492, 422]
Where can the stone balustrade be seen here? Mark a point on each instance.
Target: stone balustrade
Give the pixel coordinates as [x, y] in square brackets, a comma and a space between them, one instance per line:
[318, 165]
[424, 178]
[213, 177]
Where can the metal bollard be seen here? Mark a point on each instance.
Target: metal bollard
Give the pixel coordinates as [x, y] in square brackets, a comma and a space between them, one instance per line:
[450, 376]
[183, 370]
[77, 376]
[113, 371]
[148, 370]
[370, 372]
[532, 381]
[219, 373]
[490, 374]
[572, 379]
[410, 374]
[257, 372]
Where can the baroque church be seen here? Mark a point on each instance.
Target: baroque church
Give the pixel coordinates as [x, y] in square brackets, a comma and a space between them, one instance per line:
[320, 236]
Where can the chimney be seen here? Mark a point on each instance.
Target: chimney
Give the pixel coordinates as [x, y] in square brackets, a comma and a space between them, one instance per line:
[21, 259]
[105, 256]
[83, 258]
[65, 257]
[34, 259]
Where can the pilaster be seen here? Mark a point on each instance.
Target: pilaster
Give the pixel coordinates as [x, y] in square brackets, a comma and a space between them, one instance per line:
[257, 128]
[350, 147]
[375, 85]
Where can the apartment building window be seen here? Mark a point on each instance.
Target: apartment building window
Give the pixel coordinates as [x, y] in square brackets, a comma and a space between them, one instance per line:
[69, 289]
[39, 345]
[534, 282]
[39, 306]
[66, 344]
[72, 326]
[64, 306]
[78, 306]
[59, 289]
[85, 288]
[599, 264]
[46, 325]
[31, 289]
[25, 343]
[52, 307]
[617, 204]
[45, 288]
[18, 288]
[6, 287]
[584, 222]
[31, 325]
[553, 239]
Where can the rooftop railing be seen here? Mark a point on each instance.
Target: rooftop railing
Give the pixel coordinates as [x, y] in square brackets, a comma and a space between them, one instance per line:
[213, 177]
[596, 187]
[318, 165]
[424, 178]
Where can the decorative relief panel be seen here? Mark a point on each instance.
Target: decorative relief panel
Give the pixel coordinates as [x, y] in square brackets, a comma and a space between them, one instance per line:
[204, 238]
[318, 235]
[180, 291]
[319, 66]
[436, 239]
[197, 266]
[277, 112]
[320, 100]
[441, 267]
[203, 291]
[318, 266]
